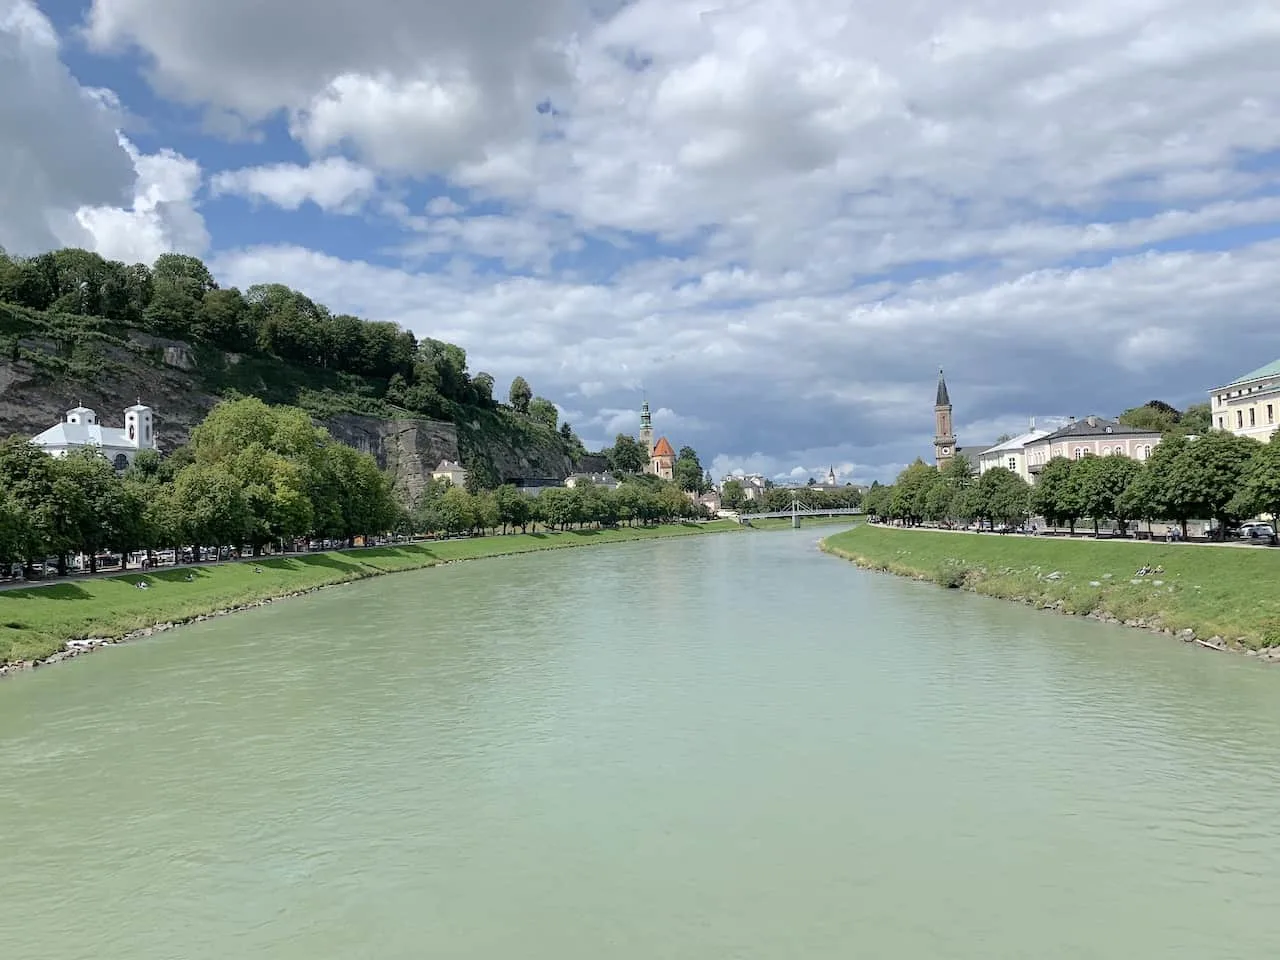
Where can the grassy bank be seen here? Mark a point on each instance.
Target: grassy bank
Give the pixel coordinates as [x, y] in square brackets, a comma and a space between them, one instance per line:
[37, 621]
[1221, 594]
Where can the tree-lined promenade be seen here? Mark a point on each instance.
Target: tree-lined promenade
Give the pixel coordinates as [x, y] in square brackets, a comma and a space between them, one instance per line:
[1217, 476]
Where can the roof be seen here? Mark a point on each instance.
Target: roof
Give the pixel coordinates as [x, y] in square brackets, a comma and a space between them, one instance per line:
[1018, 442]
[970, 450]
[1272, 369]
[1100, 426]
[83, 435]
[944, 398]
[663, 448]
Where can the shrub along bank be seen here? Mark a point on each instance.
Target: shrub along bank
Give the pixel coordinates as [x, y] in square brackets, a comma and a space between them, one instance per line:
[36, 622]
[1219, 593]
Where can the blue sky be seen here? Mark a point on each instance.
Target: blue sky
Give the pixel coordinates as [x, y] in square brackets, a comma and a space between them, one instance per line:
[777, 217]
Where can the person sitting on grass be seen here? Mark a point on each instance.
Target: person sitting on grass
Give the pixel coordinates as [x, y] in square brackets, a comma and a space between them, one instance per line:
[143, 585]
[1143, 571]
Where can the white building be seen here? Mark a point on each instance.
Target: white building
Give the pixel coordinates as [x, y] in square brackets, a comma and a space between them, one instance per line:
[753, 485]
[81, 429]
[1250, 405]
[1011, 454]
[452, 471]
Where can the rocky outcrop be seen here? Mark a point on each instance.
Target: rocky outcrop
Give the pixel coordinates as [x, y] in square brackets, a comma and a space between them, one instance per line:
[408, 449]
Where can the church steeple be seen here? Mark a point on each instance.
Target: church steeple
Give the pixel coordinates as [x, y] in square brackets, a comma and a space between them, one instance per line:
[944, 438]
[646, 428]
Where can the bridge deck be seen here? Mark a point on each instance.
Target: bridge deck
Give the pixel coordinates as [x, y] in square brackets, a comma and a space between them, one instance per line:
[834, 512]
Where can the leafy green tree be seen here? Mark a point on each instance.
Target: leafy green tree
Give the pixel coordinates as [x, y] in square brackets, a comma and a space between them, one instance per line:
[187, 273]
[1197, 420]
[520, 395]
[627, 455]
[687, 472]
[513, 508]
[1057, 496]
[27, 476]
[1260, 486]
[1101, 483]
[213, 507]
[1002, 497]
[544, 411]
[1153, 415]
[1218, 462]
[732, 494]
[93, 512]
[908, 502]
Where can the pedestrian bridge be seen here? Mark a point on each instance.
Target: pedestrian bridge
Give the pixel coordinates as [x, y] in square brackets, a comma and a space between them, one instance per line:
[798, 510]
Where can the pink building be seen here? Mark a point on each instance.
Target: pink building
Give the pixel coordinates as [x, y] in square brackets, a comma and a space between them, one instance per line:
[1091, 437]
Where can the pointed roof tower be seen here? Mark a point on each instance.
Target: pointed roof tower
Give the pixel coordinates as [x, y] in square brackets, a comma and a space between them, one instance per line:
[944, 399]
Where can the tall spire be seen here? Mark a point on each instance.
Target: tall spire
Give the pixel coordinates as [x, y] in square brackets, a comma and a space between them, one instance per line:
[944, 399]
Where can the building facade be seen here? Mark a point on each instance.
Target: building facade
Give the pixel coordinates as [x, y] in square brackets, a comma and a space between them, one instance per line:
[450, 470]
[662, 461]
[1011, 454]
[81, 428]
[1249, 406]
[1090, 437]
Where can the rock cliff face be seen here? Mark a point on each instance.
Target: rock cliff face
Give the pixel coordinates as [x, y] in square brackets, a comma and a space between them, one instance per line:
[167, 375]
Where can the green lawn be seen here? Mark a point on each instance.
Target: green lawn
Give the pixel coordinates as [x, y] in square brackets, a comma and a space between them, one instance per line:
[37, 621]
[1216, 591]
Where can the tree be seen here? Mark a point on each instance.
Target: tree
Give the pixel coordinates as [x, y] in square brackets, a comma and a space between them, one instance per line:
[1101, 483]
[520, 394]
[910, 490]
[1057, 495]
[1002, 496]
[212, 505]
[543, 410]
[1219, 461]
[627, 455]
[732, 494]
[688, 473]
[1197, 420]
[513, 508]
[1152, 415]
[1260, 483]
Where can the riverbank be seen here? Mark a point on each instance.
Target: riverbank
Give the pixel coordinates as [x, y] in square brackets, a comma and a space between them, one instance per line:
[45, 624]
[1217, 598]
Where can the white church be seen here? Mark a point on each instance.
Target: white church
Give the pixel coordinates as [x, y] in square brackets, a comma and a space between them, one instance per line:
[82, 429]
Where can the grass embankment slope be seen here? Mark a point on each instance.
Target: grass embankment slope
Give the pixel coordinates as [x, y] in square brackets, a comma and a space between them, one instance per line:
[37, 621]
[1217, 592]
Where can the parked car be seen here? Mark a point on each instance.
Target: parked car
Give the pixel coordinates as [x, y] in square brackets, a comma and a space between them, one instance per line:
[1256, 531]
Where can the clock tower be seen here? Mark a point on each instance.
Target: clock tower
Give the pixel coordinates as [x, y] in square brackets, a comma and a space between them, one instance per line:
[944, 435]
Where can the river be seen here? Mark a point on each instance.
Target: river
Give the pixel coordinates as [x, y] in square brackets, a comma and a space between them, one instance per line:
[714, 747]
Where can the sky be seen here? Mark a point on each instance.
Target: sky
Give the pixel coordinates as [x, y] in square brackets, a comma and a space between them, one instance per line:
[776, 219]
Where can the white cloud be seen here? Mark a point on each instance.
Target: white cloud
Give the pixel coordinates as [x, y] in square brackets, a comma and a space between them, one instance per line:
[777, 215]
[162, 218]
[58, 146]
[334, 184]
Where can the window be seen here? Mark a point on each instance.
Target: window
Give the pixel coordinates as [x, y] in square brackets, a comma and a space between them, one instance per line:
[1119, 451]
[1146, 452]
[1220, 423]
[1253, 416]
[1271, 413]
[1239, 418]
[1079, 453]
[1013, 464]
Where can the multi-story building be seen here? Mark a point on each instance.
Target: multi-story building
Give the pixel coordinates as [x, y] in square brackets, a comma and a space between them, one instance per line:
[1011, 454]
[1090, 437]
[1249, 406]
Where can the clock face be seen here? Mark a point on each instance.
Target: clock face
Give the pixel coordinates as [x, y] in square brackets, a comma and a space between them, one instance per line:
[946, 450]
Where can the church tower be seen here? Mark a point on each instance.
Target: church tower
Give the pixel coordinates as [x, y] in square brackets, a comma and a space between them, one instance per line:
[944, 436]
[646, 429]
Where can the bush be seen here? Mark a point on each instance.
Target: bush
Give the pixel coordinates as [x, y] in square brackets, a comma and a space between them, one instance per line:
[951, 576]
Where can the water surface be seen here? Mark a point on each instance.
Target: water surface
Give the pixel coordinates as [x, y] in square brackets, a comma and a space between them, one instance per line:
[719, 747]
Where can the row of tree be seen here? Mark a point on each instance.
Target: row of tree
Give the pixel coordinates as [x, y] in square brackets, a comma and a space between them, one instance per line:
[252, 475]
[1216, 476]
[733, 496]
[446, 509]
[178, 297]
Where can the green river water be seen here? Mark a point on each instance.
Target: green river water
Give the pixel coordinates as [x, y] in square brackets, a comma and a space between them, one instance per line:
[717, 747]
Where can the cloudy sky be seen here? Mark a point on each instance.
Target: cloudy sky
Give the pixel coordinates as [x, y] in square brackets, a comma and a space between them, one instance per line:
[777, 217]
